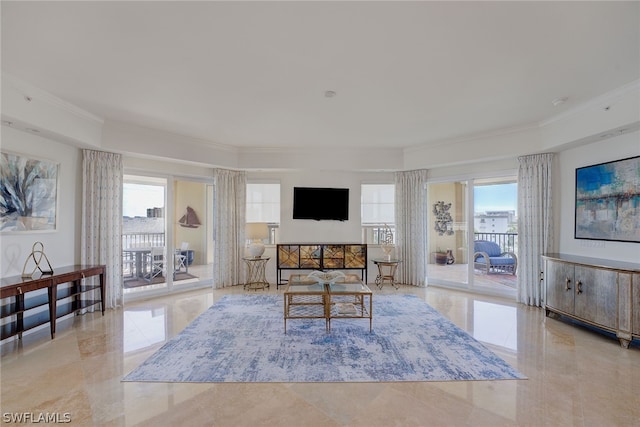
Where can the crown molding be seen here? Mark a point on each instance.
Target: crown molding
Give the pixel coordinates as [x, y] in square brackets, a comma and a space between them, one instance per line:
[473, 137]
[33, 93]
[307, 150]
[601, 101]
[201, 142]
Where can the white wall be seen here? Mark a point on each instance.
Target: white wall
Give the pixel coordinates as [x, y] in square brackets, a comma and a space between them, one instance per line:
[307, 231]
[190, 157]
[61, 246]
[616, 148]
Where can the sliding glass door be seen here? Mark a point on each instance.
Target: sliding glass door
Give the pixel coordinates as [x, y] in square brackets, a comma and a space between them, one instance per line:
[166, 239]
[144, 248]
[495, 221]
[462, 212]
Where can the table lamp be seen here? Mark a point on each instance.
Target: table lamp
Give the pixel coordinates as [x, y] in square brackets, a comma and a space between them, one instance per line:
[257, 232]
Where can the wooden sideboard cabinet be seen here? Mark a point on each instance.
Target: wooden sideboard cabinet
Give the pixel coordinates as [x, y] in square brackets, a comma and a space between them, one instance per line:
[598, 292]
[321, 256]
[22, 307]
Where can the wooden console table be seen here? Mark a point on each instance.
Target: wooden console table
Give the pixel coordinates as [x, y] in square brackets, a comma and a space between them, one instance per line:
[20, 299]
[321, 256]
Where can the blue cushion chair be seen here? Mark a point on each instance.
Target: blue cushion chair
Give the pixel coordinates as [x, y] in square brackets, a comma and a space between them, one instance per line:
[489, 257]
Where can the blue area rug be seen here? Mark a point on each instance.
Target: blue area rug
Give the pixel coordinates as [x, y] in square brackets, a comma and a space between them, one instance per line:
[241, 339]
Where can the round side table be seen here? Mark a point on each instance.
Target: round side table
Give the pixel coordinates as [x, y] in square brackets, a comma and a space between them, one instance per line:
[256, 278]
[386, 271]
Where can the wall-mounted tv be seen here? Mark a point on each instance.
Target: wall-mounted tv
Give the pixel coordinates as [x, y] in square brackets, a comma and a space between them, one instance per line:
[321, 203]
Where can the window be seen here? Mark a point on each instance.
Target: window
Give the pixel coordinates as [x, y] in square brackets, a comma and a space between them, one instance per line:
[263, 205]
[377, 210]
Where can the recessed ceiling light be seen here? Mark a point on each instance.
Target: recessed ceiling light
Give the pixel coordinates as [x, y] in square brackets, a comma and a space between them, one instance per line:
[559, 101]
[329, 94]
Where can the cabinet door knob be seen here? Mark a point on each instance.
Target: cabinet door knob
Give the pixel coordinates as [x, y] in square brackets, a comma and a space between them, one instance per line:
[566, 284]
[579, 287]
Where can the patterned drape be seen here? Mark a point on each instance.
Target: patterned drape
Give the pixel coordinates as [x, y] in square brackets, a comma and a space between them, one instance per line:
[535, 224]
[229, 207]
[411, 226]
[101, 238]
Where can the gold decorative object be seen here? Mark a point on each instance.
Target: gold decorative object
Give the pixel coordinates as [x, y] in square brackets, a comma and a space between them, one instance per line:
[37, 250]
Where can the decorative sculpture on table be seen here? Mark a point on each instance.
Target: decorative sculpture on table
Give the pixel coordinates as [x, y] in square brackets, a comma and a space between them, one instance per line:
[386, 241]
[323, 277]
[37, 254]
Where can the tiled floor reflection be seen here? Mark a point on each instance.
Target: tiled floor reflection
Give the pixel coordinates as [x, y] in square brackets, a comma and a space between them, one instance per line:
[576, 377]
[495, 324]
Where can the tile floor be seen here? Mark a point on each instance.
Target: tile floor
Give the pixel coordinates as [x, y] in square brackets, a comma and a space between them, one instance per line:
[576, 377]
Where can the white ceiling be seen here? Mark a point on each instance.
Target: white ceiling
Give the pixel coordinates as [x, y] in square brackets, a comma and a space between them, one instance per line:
[254, 74]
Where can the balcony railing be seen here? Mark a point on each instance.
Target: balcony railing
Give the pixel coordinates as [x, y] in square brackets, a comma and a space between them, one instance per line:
[374, 234]
[508, 241]
[138, 240]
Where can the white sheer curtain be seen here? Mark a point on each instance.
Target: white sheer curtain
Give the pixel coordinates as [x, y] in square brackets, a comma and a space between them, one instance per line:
[411, 226]
[229, 211]
[101, 237]
[535, 224]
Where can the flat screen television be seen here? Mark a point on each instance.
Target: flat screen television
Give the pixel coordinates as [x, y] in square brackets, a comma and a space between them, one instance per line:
[321, 203]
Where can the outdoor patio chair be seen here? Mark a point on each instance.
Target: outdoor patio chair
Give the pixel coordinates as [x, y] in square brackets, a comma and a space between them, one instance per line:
[489, 257]
[156, 262]
[180, 260]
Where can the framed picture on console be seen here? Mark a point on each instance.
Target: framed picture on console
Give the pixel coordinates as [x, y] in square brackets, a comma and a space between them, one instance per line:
[608, 201]
[28, 194]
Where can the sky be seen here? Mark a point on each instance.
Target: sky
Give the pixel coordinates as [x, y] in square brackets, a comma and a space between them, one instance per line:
[500, 197]
[137, 198]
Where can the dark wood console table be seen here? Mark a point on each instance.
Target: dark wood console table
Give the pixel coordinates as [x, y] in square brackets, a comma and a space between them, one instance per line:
[321, 256]
[20, 299]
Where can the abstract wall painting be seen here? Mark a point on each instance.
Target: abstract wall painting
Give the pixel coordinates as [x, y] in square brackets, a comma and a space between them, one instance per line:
[28, 194]
[608, 201]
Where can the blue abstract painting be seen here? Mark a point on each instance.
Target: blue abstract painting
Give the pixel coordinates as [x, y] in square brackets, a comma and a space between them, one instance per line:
[28, 193]
[608, 201]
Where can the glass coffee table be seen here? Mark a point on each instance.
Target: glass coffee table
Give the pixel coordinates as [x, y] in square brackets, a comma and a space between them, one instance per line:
[305, 300]
[349, 301]
[348, 298]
